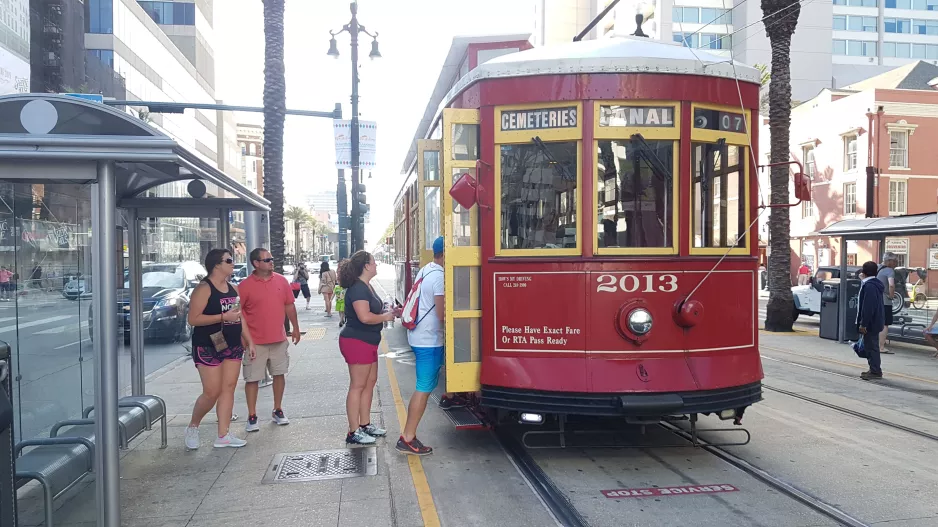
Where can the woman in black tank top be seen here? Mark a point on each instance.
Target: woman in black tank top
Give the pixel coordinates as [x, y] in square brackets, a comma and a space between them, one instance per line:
[218, 342]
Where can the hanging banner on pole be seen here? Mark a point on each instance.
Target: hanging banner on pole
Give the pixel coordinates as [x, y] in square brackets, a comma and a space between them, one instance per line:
[367, 131]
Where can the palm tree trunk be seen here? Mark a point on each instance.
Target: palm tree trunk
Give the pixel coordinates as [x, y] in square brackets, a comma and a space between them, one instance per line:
[275, 103]
[780, 309]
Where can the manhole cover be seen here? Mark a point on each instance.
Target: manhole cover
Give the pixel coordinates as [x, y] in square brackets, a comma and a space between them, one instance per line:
[316, 333]
[323, 464]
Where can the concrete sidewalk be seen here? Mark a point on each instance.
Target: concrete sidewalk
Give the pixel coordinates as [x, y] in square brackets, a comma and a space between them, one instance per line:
[206, 487]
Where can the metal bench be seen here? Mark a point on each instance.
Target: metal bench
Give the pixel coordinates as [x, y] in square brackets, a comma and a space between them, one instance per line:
[135, 414]
[57, 463]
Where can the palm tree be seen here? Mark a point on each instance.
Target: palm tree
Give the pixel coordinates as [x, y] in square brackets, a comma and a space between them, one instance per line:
[781, 18]
[300, 218]
[275, 104]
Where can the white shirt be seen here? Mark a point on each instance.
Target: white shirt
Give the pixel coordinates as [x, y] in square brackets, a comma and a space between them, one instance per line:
[429, 330]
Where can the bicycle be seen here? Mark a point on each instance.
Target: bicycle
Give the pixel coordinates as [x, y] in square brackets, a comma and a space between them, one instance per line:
[919, 298]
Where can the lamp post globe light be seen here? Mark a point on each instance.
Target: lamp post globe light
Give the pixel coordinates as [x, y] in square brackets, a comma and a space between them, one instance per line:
[359, 207]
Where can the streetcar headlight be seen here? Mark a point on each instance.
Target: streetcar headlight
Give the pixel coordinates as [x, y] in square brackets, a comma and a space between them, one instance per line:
[640, 321]
[532, 418]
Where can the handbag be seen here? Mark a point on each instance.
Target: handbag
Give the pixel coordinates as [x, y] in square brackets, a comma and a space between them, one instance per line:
[295, 286]
[859, 349]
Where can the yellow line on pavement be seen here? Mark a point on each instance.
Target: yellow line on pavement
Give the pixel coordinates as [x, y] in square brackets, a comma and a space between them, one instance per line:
[424, 496]
[852, 365]
[793, 333]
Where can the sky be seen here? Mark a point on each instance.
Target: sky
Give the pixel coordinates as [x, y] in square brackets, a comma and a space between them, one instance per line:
[414, 38]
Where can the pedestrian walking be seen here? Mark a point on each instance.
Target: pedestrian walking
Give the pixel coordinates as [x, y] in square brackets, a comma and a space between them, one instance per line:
[871, 319]
[339, 293]
[218, 340]
[426, 339]
[887, 275]
[267, 300]
[358, 343]
[6, 290]
[327, 281]
[804, 274]
[301, 276]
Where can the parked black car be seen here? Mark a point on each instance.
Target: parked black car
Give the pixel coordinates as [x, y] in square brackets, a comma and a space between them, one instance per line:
[166, 290]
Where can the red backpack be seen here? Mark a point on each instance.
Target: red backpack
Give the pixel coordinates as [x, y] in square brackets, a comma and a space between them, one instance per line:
[409, 318]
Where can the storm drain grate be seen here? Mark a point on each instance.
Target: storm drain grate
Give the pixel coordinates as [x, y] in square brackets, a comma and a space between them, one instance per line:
[316, 333]
[323, 464]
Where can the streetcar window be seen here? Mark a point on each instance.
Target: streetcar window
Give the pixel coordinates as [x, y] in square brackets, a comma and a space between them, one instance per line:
[465, 142]
[634, 193]
[718, 195]
[431, 165]
[431, 216]
[538, 195]
[463, 233]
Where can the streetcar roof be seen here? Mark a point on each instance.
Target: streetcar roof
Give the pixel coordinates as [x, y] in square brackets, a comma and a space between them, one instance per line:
[618, 54]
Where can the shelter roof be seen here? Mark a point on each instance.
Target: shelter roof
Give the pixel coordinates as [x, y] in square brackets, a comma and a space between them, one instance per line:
[48, 136]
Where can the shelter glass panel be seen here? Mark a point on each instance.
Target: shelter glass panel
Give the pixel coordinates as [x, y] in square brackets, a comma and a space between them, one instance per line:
[46, 292]
[718, 195]
[539, 195]
[634, 185]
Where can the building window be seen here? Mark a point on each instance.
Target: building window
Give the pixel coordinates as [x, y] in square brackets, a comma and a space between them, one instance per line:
[857, 23]
[897, 25]
[688, 40]
[905, 50]
[898, 192]
[854, 48]
[538, 195]
[253, 149]
[857, 3]
[850, 198]
[850, 152]
[807, 209]
[715, 41]
[106, 56]
[808, 156]
[99, 16]
[170, 13]
[898, 4]
[899, 149]
[925, 27]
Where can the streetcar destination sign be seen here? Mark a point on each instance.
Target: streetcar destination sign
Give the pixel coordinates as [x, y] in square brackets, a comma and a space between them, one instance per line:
[540, 119]
[720, 121]
[661, 116]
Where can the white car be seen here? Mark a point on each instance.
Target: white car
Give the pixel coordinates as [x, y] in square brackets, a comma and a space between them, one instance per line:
[807, 298]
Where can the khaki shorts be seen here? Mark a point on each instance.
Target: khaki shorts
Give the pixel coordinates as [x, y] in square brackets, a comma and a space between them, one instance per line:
[271, 357]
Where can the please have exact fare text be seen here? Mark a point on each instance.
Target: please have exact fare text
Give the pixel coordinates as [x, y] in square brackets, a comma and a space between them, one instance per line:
[537, 335]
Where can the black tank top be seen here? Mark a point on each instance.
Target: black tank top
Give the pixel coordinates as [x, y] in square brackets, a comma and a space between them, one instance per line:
[218, 303]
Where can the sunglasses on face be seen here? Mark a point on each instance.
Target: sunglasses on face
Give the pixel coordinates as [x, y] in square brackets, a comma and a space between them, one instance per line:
[266, 260]
[228, 260]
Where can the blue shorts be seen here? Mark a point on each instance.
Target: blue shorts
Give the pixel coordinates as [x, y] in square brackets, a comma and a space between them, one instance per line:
[429, 362]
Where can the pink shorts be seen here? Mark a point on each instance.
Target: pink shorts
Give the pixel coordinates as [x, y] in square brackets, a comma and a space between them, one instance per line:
[358, 351]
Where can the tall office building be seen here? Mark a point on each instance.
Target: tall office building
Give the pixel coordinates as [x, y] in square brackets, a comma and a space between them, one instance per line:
[14, 46]
[836, 43]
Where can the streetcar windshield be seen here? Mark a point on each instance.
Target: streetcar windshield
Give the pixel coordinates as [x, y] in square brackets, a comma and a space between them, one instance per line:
[634, 193]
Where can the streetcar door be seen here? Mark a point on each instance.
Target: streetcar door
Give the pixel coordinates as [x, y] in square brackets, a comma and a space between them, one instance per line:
[463, 254]
[428, 196]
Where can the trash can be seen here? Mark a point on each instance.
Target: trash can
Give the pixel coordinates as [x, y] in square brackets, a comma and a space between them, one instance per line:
[7, 489]
[830, 299]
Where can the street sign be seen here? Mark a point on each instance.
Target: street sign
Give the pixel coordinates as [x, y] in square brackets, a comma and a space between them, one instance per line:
[93, 97]
[367, 131]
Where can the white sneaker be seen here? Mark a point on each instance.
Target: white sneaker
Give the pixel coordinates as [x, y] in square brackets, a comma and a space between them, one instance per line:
[279, 417]
[192, 438]
[359, 437]
[229, 441]
[252, 424]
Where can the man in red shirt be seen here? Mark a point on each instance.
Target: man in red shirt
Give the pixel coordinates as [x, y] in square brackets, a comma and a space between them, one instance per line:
[266, 299]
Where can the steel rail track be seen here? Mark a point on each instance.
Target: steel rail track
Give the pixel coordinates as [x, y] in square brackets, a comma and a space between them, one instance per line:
[854, 413]
[788, 489]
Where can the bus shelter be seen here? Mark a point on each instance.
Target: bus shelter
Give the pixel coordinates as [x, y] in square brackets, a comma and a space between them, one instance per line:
[58, 139]
[876, 229]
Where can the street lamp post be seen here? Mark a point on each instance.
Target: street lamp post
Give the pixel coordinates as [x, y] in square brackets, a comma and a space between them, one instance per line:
[354, 28]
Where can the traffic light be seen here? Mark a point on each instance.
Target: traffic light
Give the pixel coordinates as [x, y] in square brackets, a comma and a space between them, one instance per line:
[363, 206]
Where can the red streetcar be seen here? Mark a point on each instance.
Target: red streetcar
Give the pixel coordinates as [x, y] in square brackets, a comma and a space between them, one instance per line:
[598, 202]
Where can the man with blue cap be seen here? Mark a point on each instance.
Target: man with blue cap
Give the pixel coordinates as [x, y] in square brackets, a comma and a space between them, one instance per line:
[427, 340]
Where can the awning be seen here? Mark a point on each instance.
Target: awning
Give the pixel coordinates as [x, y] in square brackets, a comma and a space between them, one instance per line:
[875, 228]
